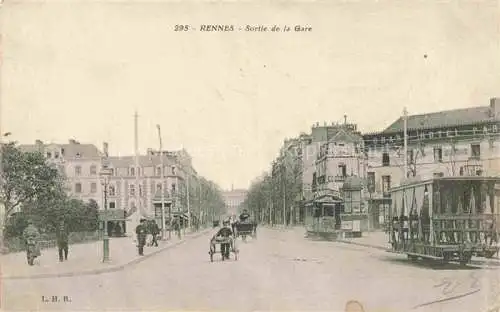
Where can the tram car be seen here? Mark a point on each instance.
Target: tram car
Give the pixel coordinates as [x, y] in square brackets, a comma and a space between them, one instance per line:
[333, 215]
[445, 218]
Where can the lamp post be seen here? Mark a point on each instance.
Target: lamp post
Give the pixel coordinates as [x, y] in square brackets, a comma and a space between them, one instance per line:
[105, 173]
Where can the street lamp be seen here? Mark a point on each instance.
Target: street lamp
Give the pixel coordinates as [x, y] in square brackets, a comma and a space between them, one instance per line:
[105, 173]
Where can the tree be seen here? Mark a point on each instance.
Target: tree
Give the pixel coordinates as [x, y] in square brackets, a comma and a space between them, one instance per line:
[27, 178]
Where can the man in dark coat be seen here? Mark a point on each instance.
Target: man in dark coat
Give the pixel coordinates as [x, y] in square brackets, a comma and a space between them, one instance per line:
[63, 241]
[142, 232]
[155, 231]
[225, 233]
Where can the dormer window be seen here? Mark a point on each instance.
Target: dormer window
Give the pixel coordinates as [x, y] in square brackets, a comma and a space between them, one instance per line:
[62, 151]
[132, 171]
[78, 155]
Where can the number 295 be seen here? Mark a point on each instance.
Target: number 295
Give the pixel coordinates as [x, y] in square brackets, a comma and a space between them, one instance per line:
[181, 28]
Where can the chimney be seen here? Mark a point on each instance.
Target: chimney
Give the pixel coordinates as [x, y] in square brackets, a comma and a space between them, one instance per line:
[495, 107]
[72, 141]
[38, 142]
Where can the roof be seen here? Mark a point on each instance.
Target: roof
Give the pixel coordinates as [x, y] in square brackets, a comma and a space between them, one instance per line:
[70, 150]
[346, 136]
[144, 161]
[449, 118]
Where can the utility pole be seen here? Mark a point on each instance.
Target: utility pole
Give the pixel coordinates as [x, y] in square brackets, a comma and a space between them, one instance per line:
[188, 202]
[136, 146]
[162, 186]
[405, 122]
[283, 181]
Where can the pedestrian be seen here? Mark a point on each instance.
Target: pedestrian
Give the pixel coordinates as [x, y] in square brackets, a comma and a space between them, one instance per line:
[142, 232]
[155, 231]
[63, 241]
[32, 237]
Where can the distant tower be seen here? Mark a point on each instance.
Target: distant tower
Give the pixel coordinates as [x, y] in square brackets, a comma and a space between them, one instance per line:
[232, 186]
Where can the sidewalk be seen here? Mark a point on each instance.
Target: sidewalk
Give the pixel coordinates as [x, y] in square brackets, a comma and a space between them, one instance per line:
[84, 259]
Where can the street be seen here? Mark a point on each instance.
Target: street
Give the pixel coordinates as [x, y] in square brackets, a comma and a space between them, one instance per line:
[280, 270]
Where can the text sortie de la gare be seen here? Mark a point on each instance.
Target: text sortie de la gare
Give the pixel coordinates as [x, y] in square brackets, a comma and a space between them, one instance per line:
[246, 28]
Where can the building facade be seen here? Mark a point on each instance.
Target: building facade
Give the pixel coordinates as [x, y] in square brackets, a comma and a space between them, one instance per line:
[448, 143]
[78, 163]
[233, 200]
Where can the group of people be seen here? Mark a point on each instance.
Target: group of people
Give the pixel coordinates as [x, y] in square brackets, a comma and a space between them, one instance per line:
[146, 228]
[32, 237]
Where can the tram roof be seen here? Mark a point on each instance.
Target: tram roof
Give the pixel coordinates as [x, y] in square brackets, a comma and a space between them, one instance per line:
[415, 183]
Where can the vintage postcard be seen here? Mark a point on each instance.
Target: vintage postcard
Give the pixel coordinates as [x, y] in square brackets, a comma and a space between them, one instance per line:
[164, 155]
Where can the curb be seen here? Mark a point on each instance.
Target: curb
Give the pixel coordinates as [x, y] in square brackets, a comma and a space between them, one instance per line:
[110, 269]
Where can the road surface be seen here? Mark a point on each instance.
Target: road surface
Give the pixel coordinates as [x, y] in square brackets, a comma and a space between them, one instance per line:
[279, 271]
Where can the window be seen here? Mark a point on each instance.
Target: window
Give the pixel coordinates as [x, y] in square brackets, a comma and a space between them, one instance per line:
[140, 190]
[158, 171]
[93, 188]
[173, 187]
[132, 171]
[475, 150]
[386, 184]
[49, 155]
[56, 155]
[132, 190]
[158, 187]
[438, 174]
[78, 187]
[461, 171]
[62, 151]
[93, 170]
[112, 205]
[342, 170]
[111, 190]
[113, 172]
[385, 160]
[173, 170]
[438, 154]
[78, 155]
[78, 170]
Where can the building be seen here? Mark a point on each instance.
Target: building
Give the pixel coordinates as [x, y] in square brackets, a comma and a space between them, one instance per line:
[79, 163]
[447, 143]
[233, 200]
[338, 187]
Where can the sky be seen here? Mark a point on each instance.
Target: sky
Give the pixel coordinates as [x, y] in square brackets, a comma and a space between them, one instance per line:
[73, 69]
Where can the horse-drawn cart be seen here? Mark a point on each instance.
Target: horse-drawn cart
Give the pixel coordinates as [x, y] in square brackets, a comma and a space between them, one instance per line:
[244, 229]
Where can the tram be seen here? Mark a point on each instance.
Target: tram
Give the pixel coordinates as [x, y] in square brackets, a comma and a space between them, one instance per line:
[445, 218]
[338, 214]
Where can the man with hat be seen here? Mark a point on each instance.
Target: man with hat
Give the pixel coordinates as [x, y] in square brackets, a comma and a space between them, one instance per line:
[142, 232]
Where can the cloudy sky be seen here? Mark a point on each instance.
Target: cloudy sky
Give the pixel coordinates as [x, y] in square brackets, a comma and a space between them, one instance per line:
[79, 70]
